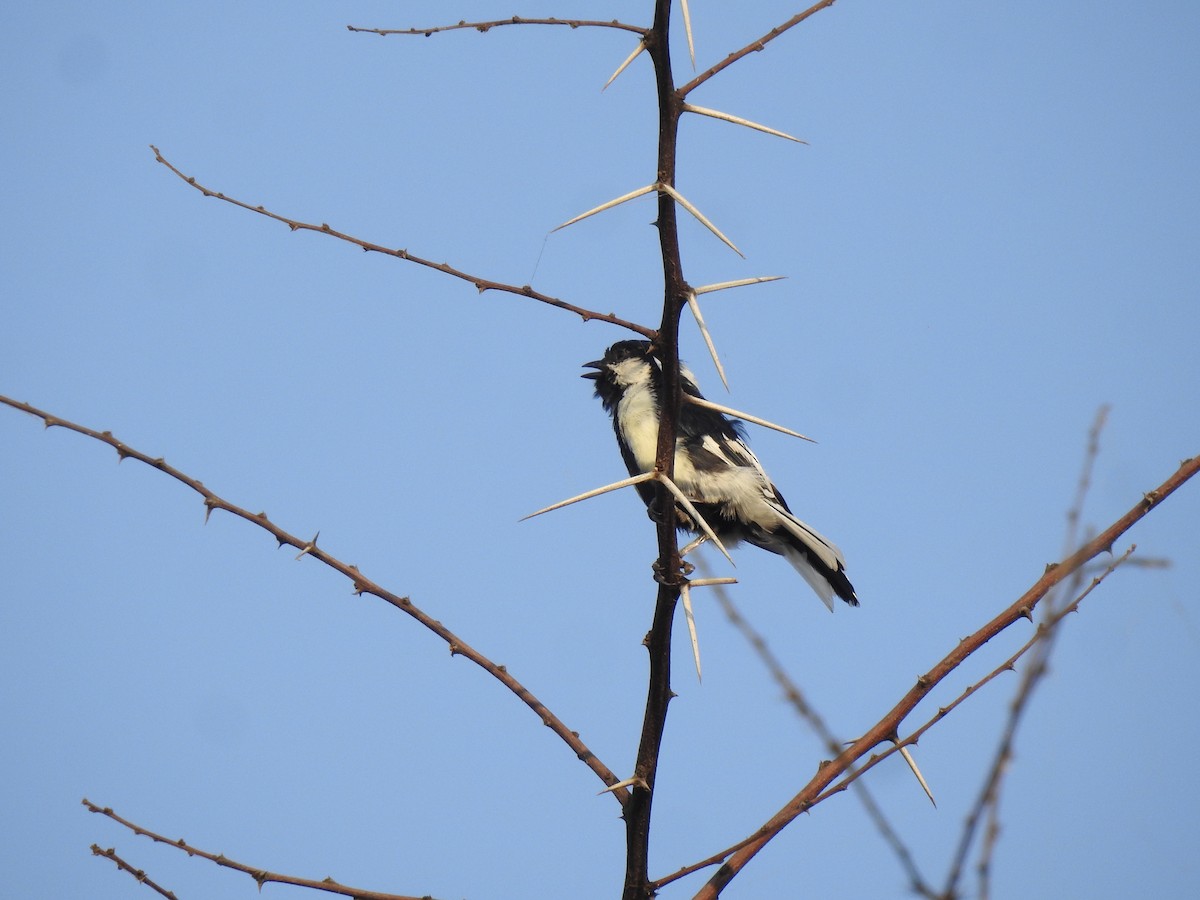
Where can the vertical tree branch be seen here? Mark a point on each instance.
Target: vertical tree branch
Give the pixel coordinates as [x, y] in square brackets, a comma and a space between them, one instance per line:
[668, 568]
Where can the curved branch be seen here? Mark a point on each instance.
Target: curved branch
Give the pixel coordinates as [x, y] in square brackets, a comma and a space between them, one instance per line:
[362, 584]
[752, 47]
[261, 876]
[481, 284]
[885, 729]
[484, 27]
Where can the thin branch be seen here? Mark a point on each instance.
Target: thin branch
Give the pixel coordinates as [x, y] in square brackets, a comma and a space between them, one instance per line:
[362, 584]
[484, 27]
[260, 876]
[886, 728]
[752, 47]
[138, 874]
[481, 284]
[1043, 632]
[853, 775]
[795, 696]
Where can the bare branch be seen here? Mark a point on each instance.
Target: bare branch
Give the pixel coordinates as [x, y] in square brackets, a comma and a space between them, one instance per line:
[886, 728]
[752, 47]
[138, 874]
[481, 284]
[362, 584]
[484, 27]
[260, 876]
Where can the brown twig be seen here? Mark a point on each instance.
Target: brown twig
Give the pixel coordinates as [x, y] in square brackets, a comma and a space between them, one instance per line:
[481, 284]
[138, 874]
[853, 775]
[362, 584]
[795, 696]
[260, 876]
[752, 47]
[886, 729]
[1044, 631]
[484, 27]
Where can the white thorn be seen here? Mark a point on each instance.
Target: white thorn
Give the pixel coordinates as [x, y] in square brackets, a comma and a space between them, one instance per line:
[682, 201]
[708, 341]
[738, 120]
[737, 414]
[741, 282]
[705, 582]
[625, 65]
[609, 205]
[587, 495]
[628, 782]
[686, 594]
[691, 510]
[692, 545]
[687, 26]
[912, 764]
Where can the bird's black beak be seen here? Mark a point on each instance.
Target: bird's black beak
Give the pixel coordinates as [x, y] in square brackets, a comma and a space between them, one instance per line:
[597, 364]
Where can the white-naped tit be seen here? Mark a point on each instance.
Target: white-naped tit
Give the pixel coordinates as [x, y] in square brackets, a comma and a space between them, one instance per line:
[714, 468]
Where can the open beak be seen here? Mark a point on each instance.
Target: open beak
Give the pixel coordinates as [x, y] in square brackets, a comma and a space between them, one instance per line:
[597, 364]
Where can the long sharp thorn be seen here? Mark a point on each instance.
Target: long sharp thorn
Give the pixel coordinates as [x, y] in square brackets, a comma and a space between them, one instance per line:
[912, 764]
[708, 404]
[692, 545]
[587, 495]
[628, 782]
[686, 594]
[625, 65]
[738, 120]
[683, 201]
[708, 341]
[603, 206]
[691, 511]
[687, 26]
[741, 282]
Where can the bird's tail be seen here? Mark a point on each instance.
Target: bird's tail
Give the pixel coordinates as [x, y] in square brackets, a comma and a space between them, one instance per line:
[815, 557]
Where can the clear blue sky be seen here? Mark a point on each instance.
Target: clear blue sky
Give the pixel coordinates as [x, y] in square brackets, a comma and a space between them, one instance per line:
[993, 232]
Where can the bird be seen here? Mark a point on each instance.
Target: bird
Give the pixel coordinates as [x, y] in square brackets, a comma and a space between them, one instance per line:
[714, 468]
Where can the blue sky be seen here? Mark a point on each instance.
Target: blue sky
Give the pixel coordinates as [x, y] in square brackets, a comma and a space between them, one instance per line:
[993, 232]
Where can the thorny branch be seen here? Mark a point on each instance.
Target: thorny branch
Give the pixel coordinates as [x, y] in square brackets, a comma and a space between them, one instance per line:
[260, 876]
[886, 729]
[139, 875]
[753, 46]
[854, 773]
[484, 27]
[481, 284]
[362, 584]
